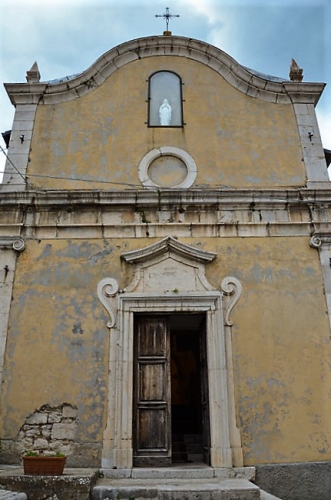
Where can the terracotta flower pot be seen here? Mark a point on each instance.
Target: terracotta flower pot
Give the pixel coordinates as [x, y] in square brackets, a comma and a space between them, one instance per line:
[44, 465]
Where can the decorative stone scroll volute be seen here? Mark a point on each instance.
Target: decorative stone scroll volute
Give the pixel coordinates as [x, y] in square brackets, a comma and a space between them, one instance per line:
[107, 291]
[232, 290]
[16, 243]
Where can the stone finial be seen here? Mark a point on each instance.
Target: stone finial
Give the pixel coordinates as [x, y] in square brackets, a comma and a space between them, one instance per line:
[296, 73]
[33, 75]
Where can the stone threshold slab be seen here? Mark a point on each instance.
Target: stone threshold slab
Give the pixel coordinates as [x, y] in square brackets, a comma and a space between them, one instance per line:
[196, 471]
[167, 489]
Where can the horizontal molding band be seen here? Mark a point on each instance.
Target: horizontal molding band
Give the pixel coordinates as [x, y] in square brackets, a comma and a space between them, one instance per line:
[163, 230]
[269, 197]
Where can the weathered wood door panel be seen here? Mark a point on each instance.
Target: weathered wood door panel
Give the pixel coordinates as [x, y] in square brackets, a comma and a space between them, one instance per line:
[152, 392]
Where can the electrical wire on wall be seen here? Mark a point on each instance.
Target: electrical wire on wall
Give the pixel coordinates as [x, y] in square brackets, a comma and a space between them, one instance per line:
[74, 179]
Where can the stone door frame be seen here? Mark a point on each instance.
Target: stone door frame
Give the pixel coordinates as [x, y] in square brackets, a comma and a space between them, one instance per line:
[225, 446]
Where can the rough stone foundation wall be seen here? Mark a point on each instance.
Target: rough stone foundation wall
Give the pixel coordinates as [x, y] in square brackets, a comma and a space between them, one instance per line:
[49, 430]
[296, 481]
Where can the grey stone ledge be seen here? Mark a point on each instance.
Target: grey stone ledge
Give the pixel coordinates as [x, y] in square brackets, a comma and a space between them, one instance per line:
[234, 198]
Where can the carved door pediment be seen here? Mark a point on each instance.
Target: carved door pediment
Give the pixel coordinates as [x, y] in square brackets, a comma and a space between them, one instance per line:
[169, 266]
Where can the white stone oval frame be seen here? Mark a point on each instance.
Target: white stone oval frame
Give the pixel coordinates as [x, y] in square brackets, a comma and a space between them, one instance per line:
[167, 151]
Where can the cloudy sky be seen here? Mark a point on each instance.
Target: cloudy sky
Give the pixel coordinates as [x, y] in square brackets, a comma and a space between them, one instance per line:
[66, 36]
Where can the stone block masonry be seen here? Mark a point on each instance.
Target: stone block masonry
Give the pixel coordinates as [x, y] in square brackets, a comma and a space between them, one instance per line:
[49, 430]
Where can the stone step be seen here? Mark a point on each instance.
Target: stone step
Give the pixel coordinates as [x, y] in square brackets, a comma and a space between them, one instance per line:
[178, 446]
[187, 472]
[179, 453]
[194, 447]
[74, 484]
[195, 457]
[12, 495]
[214, 489]
[187, 438]
[179, 457]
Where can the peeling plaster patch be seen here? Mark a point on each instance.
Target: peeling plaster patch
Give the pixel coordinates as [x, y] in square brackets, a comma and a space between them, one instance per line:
[308, 271]
[286, 273]
[77, 328]
[262, 423]
[262, 275]
[272, 382]
[47, 251]
[100, 255]
[78, 250]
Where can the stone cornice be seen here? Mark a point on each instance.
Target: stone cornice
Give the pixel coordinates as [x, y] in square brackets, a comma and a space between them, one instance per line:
[158, 214]
[241, 78]
[195, 197]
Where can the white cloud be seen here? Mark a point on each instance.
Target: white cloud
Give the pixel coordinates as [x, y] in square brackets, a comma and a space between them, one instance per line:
[209, 9]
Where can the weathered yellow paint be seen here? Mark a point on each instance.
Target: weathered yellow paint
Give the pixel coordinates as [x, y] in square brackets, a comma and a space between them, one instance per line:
[235, 140]
[57, 348]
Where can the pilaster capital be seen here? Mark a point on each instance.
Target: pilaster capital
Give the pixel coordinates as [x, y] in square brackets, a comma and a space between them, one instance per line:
[15, 242]
[320, 238]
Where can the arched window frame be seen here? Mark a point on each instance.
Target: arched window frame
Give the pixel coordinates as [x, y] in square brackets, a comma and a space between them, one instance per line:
[180, 122]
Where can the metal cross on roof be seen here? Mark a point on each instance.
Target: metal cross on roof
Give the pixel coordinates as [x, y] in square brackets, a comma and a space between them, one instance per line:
[167, 16]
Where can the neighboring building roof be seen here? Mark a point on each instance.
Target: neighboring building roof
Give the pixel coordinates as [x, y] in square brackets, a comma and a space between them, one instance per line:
[327, 153]
[61, 80]
[6, 137]
[266, 77]
[257, 73]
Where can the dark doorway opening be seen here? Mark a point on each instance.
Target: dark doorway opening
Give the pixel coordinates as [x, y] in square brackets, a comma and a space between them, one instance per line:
[187, 340]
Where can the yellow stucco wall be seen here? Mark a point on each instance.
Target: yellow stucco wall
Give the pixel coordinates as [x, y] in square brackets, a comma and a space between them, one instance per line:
[57, 347]
[235, 140]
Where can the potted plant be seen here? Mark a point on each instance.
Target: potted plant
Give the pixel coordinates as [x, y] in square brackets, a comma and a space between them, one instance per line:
[43, 465]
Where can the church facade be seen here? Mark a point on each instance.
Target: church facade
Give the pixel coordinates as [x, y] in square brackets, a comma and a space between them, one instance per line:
[165, 259]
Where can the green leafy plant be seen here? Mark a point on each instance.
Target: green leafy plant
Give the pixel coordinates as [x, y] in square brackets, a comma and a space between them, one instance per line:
[31, 453]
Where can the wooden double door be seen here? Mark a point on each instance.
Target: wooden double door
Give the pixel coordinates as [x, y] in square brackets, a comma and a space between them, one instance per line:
[170, 386]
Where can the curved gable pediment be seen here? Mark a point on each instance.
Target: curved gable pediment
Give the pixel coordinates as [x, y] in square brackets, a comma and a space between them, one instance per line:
[250, 83]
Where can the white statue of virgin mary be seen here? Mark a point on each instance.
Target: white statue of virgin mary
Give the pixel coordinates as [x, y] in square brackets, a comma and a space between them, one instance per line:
[165, 113]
